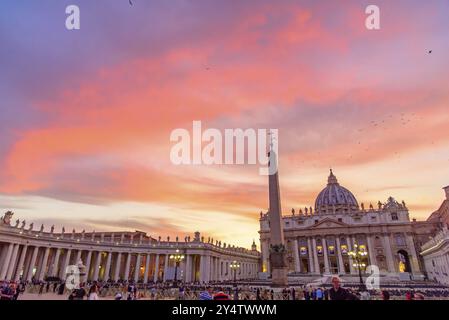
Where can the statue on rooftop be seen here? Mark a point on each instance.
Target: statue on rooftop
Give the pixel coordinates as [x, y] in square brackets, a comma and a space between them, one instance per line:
[6, 219]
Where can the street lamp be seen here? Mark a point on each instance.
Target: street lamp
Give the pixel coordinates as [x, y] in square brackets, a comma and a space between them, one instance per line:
[358, 256]
[235, 266]
[177, 258]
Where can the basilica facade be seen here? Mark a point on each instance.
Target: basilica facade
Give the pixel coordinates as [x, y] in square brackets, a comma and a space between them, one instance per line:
[318, 239]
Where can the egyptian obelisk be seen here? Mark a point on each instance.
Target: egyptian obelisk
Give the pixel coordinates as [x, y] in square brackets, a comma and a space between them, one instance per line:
[277, 245]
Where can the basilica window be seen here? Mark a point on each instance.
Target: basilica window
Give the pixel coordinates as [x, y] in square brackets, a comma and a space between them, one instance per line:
[319, 250]
[303, 251]
[394, 216]
[400, 240]
[344, 249]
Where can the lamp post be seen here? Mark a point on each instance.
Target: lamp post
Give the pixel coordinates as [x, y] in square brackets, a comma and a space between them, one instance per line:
[177, 258]
[359, 263]
[235, 266]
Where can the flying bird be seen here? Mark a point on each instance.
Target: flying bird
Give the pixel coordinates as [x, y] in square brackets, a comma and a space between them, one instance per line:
[130, 2]
[430, 51]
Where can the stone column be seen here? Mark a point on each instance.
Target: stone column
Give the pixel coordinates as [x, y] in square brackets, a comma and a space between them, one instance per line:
[6, 262]
[65, 264]
[44, 264]
[202, 268]
[78, 256]
[207, 269]
[315, 256]
[88, 261]
[118, 264]
[54, 269]
[156, 269]
[389, 254]
[296, 255]
[371, 252]
[128, 265]
[97, 266]
[12, 263]
[137, 268]
[412, 255]
[341, 266]
[188, 275]
[351, 261]
[326, 258]
[147, 268]
[165, 267]
[20, 265]
[309, 253]
[107, 270]
[32, 263]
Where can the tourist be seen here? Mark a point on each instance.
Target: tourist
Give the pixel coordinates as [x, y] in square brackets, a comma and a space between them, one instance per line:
[319, 294]
[339, 293]
[221, 296]
[419, 296]
[93, 292]
[206, 294]
[7, 292]
[385, 295]
[80, 293]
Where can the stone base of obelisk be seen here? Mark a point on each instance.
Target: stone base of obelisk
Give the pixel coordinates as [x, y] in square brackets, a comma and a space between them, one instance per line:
[279, 277]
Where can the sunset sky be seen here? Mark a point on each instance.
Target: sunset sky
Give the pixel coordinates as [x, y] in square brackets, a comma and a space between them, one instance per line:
[86, 115]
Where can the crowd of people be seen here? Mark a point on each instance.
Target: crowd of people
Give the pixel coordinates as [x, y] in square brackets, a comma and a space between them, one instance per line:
[124, 290]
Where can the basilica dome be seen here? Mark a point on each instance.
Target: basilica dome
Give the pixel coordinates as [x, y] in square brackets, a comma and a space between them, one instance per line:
[335, 197]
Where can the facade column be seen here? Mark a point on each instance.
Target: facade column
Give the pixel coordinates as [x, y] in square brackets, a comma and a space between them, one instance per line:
[265, 249]
[147, 268]
[351, 261]
[389, 254]
[5, 265]
[107, 270]
[20, 265]
[97, 266]
[32, 263]
[412, 255]
[315, 256]
[54, 268]
[88, 262]
[296, 255]
[326, 258]
[310, 254]
[43, 267]
[127, 266]
[78, 256]
[202, 271]
[12, 263]
[165, 268]
[207, 268]
[341, 266]
[65, 264]
[137, 268]
[188, 275]
[371, 253]
[118, 264]
[156, 269]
